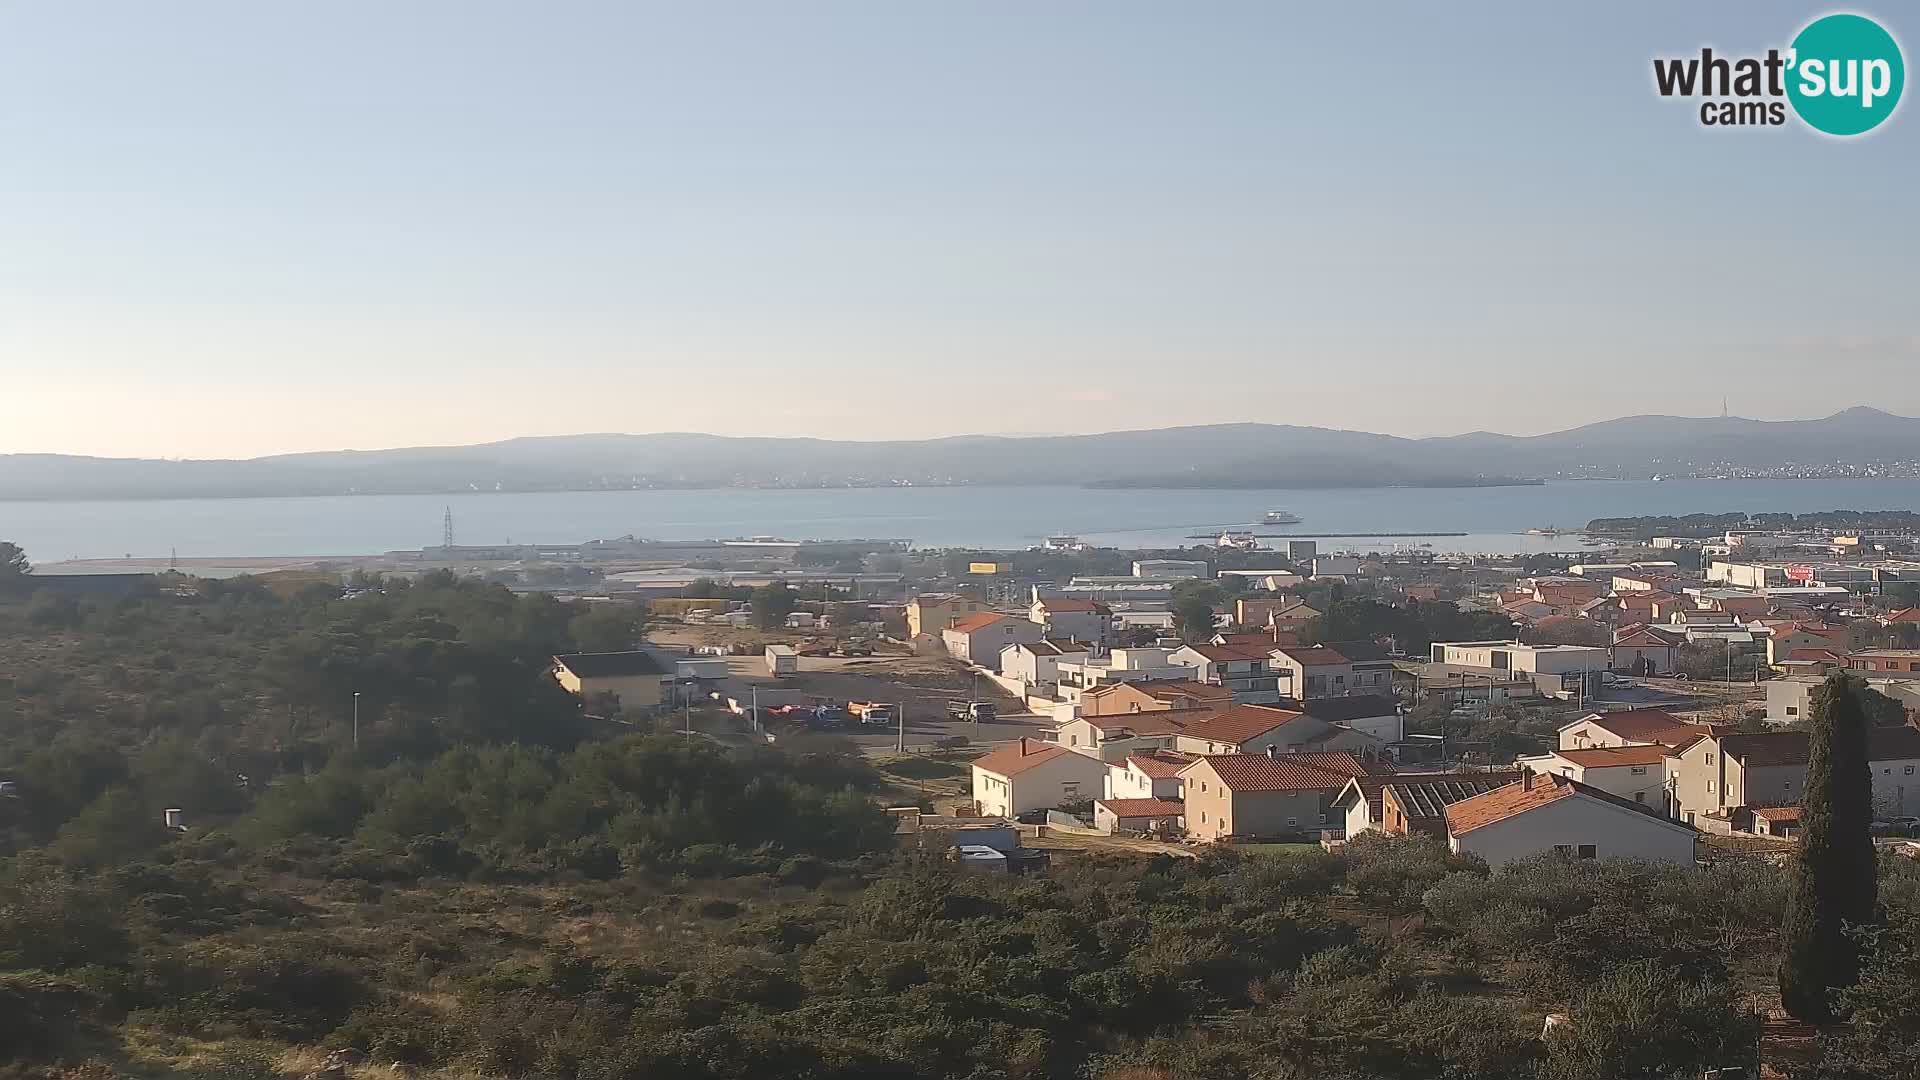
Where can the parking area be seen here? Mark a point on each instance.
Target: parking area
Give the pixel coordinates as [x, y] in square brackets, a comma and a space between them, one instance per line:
[922, 686]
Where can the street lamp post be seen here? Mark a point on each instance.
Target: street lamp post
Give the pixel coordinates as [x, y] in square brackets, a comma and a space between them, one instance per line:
[356, 719]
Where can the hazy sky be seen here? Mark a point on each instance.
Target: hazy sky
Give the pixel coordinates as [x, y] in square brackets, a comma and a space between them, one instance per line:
[237, 228]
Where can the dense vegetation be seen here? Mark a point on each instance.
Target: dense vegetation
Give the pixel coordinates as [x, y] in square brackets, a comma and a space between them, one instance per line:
[483, 886]
[1701, 525]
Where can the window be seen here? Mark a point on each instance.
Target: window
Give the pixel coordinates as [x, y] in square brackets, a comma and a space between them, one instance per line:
[1293, 823]
[1563, 850]
[1203, 817]
[1203, 785]
[1909, 770]
[1793, 710]
[1709, 787]
[1071, 791]
[1637, 770]
[1073, 740]
[1589, 851]
[1639, 796]
[1709, 757]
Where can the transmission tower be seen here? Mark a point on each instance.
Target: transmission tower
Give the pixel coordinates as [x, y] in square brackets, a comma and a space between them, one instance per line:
[446, 529]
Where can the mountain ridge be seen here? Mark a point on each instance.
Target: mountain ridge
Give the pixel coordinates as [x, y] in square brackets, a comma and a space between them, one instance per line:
[1199, 455]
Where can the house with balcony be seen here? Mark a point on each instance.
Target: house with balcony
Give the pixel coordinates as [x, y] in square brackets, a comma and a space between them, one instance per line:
[1243, 670]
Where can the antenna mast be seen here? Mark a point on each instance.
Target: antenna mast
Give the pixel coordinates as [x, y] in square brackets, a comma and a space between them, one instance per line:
[446, 529]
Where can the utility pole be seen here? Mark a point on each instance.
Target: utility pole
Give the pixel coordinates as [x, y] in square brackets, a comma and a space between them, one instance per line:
[356, 719]
[900, 731]
[756, 707]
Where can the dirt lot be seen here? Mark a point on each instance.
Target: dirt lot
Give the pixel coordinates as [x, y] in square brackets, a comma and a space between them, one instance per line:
[921, 685]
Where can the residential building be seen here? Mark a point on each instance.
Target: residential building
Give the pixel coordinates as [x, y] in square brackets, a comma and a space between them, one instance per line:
[1260, 795]
[1628, 727]
[1120, 665]
[1517, 656]
[979, 639]
[1371, 668]
[1720, 773]
[1635, 773]
[1171, 569]
[1149, 774]
[1113, 699]
[1410, 802]
[1541, 814]
[1375, 715]
[1071, 617]
[1258, 729]
[1153, 816]
[930, 613]
[1315, 671]
[1284, 612]
[1112, 738]
[633, 680]
[1885, 661]
[1241, 670]
[1645, 650]
[1029, 775]
[1785, 636]
[1037, 663]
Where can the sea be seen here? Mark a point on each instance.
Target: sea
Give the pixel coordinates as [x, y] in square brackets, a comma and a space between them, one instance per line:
[1494, 520]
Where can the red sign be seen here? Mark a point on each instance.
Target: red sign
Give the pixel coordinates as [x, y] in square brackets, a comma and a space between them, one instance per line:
[1799, 573]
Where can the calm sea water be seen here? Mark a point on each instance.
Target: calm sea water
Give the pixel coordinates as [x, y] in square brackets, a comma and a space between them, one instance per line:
[990, 517]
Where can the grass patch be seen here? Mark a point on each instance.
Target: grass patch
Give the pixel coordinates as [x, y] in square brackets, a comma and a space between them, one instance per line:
[923, 768]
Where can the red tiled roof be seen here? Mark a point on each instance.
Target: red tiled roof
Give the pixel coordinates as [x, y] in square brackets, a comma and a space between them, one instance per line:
[1502, 803]
[1905, 615]
[978, 621]
[1312, 656]
[1155, 722]
[1052, 647]
[1284, 772]
[1642, 725]
[1136, 808]
[1236, 724]
[1160, 764]
[1602, 757]
[1641, 636]
[1777, 813]
[1017, 757]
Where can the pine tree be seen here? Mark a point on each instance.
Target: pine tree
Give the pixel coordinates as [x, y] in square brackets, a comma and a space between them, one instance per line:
[1834, 879]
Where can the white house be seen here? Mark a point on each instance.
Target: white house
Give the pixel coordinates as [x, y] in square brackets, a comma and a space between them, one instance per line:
[978, 639]
[1628, 727]
[1241, 670]
[1071, 617]
[1037, 663]
[1149, 774]
[1028, 775]
[1635, 773]
[1561, 815]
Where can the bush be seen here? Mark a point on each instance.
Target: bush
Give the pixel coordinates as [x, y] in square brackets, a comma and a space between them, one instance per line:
[1390, 874]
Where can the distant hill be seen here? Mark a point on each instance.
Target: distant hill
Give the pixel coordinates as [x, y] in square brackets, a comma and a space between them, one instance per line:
[1216, 455]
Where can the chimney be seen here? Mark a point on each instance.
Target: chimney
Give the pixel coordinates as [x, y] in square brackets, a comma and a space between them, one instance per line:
[1526, 779]
[1023, 746]
[1273, 751]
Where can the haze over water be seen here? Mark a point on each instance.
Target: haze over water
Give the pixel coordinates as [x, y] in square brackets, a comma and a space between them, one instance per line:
[986, 517]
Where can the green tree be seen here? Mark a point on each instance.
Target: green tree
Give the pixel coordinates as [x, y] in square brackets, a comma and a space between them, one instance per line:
[1194, 607]
[608, 627]
[771, 606]
[117, 827]
[1834, 878]
[14, 568]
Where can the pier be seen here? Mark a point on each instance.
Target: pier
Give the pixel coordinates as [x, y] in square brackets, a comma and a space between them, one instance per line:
[1333, 535]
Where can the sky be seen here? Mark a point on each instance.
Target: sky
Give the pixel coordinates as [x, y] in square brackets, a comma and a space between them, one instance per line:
[235, 228]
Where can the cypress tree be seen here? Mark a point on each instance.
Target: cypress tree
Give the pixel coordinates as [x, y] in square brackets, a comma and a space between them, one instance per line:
[1834, 879]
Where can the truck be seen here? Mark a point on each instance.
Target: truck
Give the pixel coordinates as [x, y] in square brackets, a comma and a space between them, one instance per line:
[782, 660]
[976, 711]
[874, 712]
